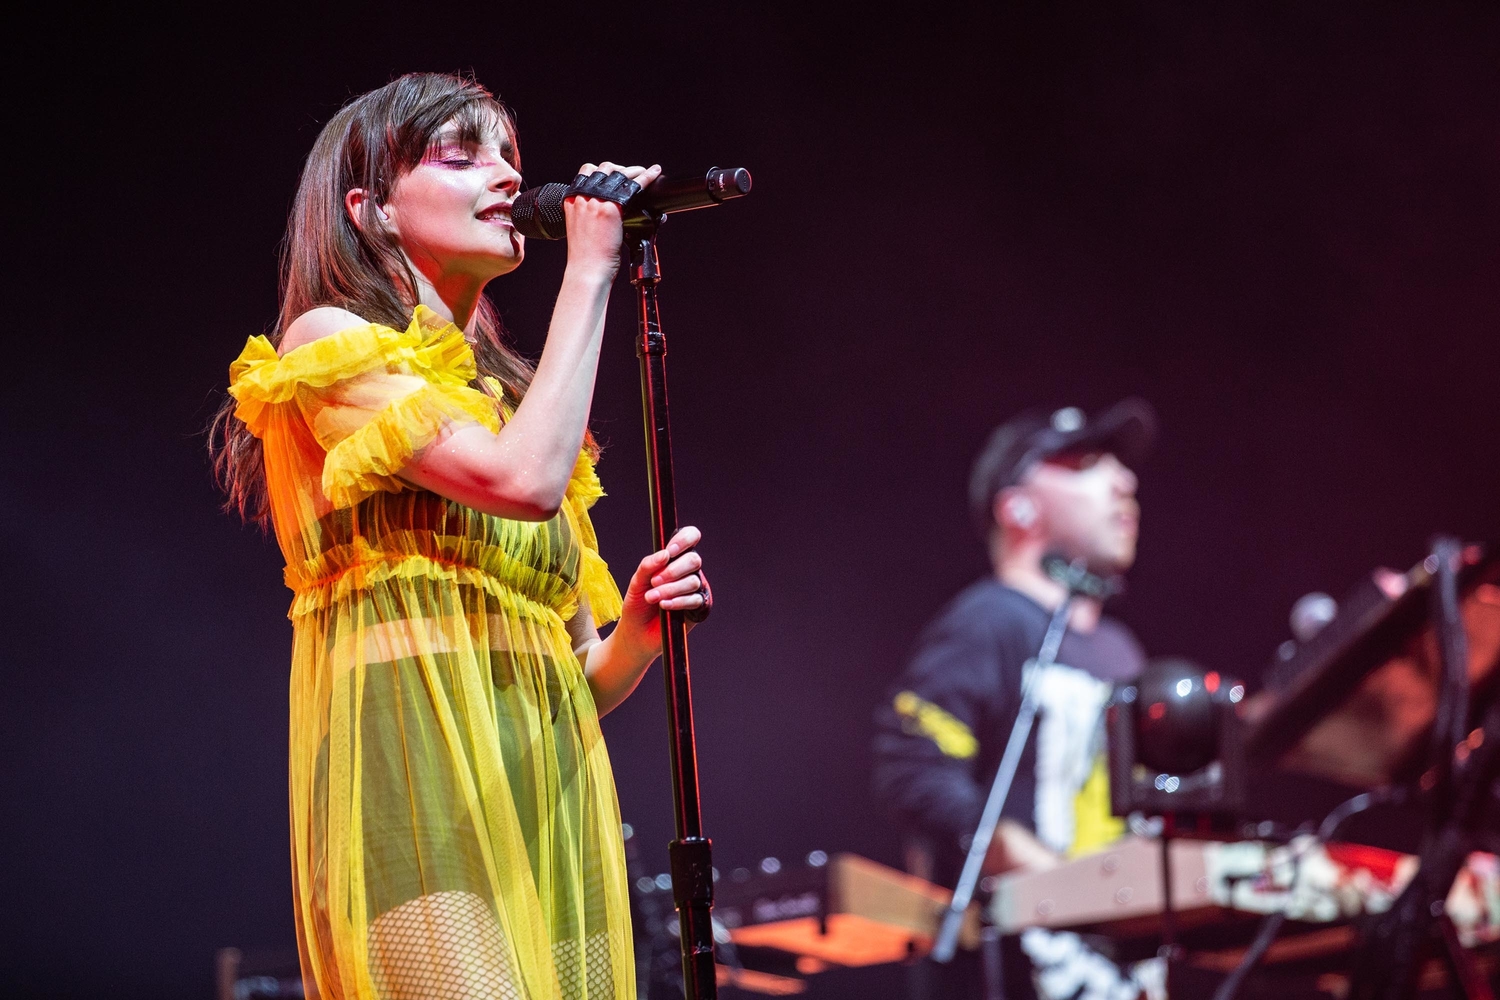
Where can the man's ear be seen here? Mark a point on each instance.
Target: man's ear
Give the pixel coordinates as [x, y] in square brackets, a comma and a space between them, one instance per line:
[354, 203]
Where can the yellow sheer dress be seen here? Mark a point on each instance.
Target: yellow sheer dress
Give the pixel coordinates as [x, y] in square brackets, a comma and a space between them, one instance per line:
[455, 831]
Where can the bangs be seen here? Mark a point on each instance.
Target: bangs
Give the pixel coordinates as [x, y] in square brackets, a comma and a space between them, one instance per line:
[467, 116]
[478, 122]
[398, 124]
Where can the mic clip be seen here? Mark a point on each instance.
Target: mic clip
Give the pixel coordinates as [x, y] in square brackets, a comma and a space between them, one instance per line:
[1075, 575]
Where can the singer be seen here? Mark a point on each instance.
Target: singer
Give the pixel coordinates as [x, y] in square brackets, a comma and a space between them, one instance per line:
[1044, 486]
[455, 832]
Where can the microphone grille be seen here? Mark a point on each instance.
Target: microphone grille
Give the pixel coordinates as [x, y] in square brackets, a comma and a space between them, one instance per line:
[538, 213]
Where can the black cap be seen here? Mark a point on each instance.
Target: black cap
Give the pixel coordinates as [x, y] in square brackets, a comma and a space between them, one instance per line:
[1125, 430]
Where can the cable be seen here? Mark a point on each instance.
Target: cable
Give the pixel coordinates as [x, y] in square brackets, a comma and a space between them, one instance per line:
[1269, 928]
[1390, 795]
[1271, 925]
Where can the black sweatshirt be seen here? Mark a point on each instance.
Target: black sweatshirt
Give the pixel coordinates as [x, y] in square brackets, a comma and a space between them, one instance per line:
[942, 730]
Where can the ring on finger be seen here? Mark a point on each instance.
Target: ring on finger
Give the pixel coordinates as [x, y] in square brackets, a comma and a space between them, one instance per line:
[705, 598]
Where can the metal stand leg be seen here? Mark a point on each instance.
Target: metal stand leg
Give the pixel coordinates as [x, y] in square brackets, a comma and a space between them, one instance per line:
[1168, 912]
[691, 853]
[1466, 977]
[994, 968]
[1168, 951]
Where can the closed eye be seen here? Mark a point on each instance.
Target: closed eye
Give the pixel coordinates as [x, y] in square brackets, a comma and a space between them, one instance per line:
[449, 154]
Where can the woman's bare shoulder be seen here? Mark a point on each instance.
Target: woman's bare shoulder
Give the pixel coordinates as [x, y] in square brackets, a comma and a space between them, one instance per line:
[315, 324]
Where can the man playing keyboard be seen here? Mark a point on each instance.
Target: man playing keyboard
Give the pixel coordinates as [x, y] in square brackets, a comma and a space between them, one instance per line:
[1044, 484]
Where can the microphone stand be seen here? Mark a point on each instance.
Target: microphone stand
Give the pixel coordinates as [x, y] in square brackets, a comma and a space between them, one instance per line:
[691, 853]
[1020, 731]
[1393, 945]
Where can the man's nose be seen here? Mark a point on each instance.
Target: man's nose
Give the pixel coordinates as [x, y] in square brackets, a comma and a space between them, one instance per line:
[1125, 479]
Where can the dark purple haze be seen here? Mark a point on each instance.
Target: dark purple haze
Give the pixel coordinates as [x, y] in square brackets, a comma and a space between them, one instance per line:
[1282, 228]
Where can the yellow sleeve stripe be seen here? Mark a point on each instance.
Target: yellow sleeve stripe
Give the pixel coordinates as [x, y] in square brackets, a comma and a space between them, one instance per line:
[923, 718]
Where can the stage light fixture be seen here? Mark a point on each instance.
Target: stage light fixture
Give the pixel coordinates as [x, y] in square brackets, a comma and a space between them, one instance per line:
[1176, 746]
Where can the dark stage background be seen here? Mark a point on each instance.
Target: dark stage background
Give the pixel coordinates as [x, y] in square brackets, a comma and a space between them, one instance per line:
[1281, 225]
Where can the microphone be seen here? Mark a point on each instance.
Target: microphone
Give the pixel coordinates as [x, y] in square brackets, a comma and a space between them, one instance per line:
[1076, 577]
[1311, 613]
[537, 213]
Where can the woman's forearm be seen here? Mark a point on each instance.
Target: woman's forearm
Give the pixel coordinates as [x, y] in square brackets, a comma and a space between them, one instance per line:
[547, 429]
[669, 579]
[523, 471]
[614, 667]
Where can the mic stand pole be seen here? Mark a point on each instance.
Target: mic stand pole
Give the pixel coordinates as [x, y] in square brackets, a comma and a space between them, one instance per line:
[947, 938]
[691, 853]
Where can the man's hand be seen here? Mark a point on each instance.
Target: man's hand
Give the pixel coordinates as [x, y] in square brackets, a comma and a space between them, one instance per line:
[1015, 848]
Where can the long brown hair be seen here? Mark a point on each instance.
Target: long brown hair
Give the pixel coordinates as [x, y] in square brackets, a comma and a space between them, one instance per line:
[327, 260]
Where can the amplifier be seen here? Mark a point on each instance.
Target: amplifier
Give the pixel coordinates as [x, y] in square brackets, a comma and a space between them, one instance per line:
[841, 910]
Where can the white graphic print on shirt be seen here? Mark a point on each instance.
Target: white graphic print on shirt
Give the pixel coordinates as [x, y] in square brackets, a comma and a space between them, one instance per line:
[1070, 705]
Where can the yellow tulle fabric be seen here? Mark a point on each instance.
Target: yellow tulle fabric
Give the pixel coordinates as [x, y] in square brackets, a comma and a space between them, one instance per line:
[455, 830]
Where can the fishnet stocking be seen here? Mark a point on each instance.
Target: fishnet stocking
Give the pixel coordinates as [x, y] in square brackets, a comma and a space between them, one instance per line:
[442, 946]
[597, 981]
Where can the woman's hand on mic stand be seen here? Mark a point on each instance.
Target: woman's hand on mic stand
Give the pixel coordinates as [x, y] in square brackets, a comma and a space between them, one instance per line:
[670, 579]
[596, 226]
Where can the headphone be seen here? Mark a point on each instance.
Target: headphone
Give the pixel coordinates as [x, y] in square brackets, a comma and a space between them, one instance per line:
[1023, 510]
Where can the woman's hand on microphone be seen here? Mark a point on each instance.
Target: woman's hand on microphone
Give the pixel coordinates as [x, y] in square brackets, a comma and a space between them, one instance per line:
[596, 226]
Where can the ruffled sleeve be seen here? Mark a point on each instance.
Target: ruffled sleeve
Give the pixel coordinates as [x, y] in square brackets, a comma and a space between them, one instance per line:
[371, 396]
[594, 579]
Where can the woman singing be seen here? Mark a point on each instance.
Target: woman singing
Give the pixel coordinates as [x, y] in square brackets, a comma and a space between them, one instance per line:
[455, 832]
